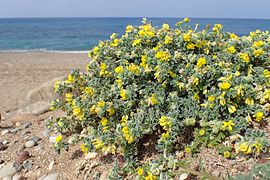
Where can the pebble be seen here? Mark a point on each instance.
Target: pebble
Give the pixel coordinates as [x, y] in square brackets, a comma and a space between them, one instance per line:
[4, 132]
[5, 142]
[51, 165]
[3, 146]
[14, 131]
[27, 165]
[51, 177]
[25, 132]
[18, 177]
[18, 124]
[91, 155]
[22, 157]
[8, 170]
[26, 125]
[35, 138]
[46, 133]
[30, 144]
[183, 176]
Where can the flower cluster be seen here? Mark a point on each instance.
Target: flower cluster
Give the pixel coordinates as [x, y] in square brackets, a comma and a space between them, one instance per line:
[167, 82]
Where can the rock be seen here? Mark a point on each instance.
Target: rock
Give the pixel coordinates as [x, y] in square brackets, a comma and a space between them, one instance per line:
[3, 146]
[23, 118]
[30, 144]
[8, 170]
[51, 165]
[26, 125]
[216, 173]
[18, 177]
[14, 131]
[35, 138]
[5, 142]
[36, 108]
[183, 176]
[42, 177]
[91, 155]
[25, 132]
[27, 165]
[46, 133]
[2, 161]
[4, 132]
[18, 124]
[21, 157]
[51, 177]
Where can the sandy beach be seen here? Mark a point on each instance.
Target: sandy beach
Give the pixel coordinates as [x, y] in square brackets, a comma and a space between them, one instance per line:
[21, 72]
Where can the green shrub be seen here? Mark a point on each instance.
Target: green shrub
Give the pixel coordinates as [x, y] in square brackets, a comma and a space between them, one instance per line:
[168, 83]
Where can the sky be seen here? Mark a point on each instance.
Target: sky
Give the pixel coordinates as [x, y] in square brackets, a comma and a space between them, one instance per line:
[254, 9]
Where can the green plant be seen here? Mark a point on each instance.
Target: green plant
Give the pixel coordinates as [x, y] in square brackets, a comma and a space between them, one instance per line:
[167, 83]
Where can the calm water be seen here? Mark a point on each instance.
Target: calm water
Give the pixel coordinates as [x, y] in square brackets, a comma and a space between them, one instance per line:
[81, 34]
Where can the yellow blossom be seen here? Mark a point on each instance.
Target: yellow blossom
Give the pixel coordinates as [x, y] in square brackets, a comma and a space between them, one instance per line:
[136, 42]
[165, 27]
[227, 154]
[231, 109]
[266, 73]
[140, 171]
[70, 79]
[163, 56]
[165, 121]
[119, 69]
[168, 40]
[201, 62]
[191, 46]
[96, 50]
[186, 37]
[68, 97]
[224, 85]
[104, 121]
[84, 149]
[244, 57]
[231, 49]
[97, 143]
[233, 36]
[258, 52]
[258, 44]
[129, 28]
[259, 116]
[123, 94]
[201, 132]
[89, 91]
[228, 125]
[134, 68]
[150, 176]
[115, 42]
[59, 139]
[249, 101]
[186, 20]
[187, 150]
[56, 85]
[152, 100]
[101, 103]
[211, 98]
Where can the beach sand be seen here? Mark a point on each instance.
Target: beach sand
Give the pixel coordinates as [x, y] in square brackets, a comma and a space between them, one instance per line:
[21, 72]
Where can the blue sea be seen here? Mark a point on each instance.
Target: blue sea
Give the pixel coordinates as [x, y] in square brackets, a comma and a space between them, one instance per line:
[81, 34]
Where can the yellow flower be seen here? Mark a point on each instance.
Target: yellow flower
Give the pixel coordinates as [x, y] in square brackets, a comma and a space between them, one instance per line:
[143, 61]
[227, 154]
[191, 46]
[201, 132]
[259, 116]
[172, 74]
[217, 27]
[56, 85]
[97, 143]
[93, 110]
[152, 100]
[224, 85]
[244, 57]
[136, 42]
[165, 27]
[104, 121]
[168, 40]
[101, 103]
[228, 125]
[140, 171]
[163, 56]
[111, 111]
[244, 147]
[150, 176]
[240, 91]
[258, 44]
[134, 68]
[201, 62]
[258, 52]
[258, 147]
[233, 36]
[96, 50]
[84, 149]
[129, 28]
[68, 97]
[249, 101]
[186, 37]
[165, 121]
[232, 109]
[78, 113]
[115, 42]
[89, 91]
[186, 20]
[165, 135]
[123, 94]
[187, 150]
[237, 73]
[266, 73]
[59, 138]
[211, 98]
[222, 100]
[231, 49]
[119, 82]
[70, 79]
[119, 69]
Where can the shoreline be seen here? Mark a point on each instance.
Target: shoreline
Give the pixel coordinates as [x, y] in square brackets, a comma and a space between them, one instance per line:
[44, 51]
[21, 72]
